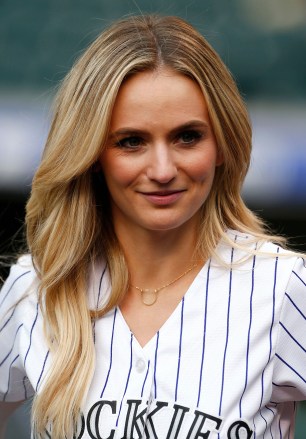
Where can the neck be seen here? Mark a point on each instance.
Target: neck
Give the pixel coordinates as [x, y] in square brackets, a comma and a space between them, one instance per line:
[161, 255]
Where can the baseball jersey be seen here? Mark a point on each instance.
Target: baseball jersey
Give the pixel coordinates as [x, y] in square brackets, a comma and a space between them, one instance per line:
[229, 362]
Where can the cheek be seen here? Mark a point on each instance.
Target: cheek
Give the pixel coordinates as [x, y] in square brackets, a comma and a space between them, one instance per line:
[118, 172]
[202, 170]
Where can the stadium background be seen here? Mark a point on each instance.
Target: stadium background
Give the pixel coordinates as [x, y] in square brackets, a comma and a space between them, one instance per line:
[262, 41]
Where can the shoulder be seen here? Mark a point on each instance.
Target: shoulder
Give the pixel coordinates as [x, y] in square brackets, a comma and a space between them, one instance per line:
[23, 266]
[251, 244]
[242, 251]
[19, 313]
[21, 281]
[18, 296]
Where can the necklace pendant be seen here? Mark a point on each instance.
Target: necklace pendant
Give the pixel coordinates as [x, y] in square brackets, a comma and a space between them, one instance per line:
[148, 296]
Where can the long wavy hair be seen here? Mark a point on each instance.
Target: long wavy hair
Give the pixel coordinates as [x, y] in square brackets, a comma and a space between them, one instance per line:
[68, 216]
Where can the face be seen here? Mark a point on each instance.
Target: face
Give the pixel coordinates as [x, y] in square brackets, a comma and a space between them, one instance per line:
[161, 154]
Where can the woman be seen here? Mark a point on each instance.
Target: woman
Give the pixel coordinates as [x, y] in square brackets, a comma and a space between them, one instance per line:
[154, 304]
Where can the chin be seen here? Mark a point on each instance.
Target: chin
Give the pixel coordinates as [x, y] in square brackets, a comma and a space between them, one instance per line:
[167, 226]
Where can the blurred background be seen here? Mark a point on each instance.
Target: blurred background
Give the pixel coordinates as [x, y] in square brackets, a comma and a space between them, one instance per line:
[262, 41]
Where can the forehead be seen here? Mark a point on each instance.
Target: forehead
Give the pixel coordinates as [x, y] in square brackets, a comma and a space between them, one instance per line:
[163, 92]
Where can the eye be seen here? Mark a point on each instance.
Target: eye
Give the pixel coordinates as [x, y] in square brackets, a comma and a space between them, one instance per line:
[131, 142]
[189, 137]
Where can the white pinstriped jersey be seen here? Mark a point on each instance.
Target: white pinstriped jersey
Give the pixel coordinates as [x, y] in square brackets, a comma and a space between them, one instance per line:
[230, 362]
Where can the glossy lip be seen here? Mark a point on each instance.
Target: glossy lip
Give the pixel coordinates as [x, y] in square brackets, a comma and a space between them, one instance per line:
[162, 198]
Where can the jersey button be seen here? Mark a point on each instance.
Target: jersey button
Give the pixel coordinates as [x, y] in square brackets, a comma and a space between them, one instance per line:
[140, 365]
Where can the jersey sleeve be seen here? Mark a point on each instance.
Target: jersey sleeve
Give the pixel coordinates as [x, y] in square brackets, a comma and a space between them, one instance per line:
[15, 313]
[289, 381]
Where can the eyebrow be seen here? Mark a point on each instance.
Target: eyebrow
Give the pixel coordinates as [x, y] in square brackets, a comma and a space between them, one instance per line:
[192, 124]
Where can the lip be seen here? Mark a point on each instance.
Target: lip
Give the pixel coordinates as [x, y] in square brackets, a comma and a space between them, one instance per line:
[163, 198]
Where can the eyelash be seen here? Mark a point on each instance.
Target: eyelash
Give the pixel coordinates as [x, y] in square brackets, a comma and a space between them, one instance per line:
[195, 134]
[123, 142]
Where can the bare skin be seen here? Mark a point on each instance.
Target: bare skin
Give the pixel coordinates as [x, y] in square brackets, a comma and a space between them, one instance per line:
[159, 167]
[150, 265]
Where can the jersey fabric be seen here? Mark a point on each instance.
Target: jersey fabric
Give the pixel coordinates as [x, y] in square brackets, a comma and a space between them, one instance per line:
[230, 361]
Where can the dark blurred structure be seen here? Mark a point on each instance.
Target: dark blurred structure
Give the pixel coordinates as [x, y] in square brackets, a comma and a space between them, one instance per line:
[263, 43]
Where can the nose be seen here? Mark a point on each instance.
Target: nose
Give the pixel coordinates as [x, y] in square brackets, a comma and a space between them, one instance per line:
[162, 167]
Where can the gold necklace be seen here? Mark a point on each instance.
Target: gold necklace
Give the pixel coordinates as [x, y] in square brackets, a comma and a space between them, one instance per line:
[149, 295]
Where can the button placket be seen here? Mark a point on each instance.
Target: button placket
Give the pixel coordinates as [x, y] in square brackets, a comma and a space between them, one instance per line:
[140, 365]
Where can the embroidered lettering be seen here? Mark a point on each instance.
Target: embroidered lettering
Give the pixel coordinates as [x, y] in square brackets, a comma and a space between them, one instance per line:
[134, 420]
[81, 427]
[93, 418]
[203, 425]
[176, 422]
[239, 430]
[149, 427]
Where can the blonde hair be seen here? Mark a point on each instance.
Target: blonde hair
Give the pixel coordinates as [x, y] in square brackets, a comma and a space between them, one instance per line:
[68, 217]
